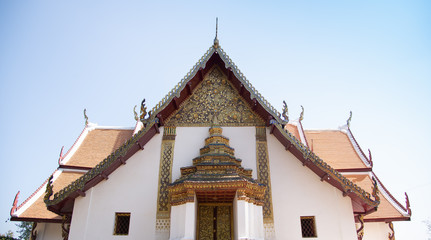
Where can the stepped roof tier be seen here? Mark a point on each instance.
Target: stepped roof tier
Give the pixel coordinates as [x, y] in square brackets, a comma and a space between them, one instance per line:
[216, 172]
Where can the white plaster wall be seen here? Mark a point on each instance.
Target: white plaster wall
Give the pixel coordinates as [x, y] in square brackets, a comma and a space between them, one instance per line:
[190, 140]
[376, 230]
[297, 191]
[130, 188]
[48, 231]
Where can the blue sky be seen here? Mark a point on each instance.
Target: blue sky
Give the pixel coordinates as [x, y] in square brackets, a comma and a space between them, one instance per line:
[374, 58]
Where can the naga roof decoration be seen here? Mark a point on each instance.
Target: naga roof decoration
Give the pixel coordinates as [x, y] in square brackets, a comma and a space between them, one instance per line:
[169, 104]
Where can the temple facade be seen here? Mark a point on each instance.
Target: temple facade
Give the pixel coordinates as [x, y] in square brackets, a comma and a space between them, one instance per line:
[213, 160]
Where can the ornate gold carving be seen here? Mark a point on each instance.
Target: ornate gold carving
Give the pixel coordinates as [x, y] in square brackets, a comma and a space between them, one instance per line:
[215, 222]
[263, 176]
[263, 172]
[215, 96]
[165, 178]
[206, 226]
[65, 226]
[216, 168]
[224, 216]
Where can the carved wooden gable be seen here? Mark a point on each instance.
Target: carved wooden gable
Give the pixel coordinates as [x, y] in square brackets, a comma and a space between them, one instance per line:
[215, 96]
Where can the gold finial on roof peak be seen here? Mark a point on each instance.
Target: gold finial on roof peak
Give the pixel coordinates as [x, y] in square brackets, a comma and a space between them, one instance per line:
[216, 43]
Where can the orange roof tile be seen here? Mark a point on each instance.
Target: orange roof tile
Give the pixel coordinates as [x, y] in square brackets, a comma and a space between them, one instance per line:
[335, 148]
[385, 210]
[97, 145]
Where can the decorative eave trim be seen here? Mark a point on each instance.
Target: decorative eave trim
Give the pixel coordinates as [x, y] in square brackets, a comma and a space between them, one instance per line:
[102, 170]
[346, 129]
[386, 220]
[36, 220]
[322, 169]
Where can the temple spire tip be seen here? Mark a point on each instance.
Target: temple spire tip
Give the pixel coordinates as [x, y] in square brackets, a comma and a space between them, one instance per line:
[216, 43]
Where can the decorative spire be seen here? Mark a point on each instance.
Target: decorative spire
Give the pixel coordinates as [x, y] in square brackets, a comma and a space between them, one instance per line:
[350, 119]
[301, 117]
[370, 157]
[216, 45]
[85, 116]
[143, 110]
[135, 113]
[285, 113]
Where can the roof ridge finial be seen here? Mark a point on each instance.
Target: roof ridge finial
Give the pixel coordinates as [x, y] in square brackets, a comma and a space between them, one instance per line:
[85, 116]
[216, 39]
[301, 116]
[349, 120]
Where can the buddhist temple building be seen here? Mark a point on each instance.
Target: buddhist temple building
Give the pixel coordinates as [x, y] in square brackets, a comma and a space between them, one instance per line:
[213, 160]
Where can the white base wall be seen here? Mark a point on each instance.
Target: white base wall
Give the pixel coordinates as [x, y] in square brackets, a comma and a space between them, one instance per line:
[376, 230]
[49, 231]
[297, 191]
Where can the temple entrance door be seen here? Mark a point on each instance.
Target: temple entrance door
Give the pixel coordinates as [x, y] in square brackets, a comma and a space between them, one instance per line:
[215, 221]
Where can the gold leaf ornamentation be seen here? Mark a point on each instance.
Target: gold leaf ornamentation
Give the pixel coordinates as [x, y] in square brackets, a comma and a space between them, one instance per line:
[215, 96]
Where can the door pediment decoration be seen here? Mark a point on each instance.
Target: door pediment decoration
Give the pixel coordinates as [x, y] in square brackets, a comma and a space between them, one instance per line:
[214, 96]
[216, 176]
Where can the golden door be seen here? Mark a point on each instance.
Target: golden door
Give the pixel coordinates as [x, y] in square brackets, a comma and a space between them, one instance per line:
[215, 222]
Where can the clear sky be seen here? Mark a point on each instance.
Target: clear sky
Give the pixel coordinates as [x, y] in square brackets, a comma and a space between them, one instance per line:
[371, 57]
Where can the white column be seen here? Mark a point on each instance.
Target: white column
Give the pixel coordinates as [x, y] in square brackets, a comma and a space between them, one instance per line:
[242, 220]
[183, 221]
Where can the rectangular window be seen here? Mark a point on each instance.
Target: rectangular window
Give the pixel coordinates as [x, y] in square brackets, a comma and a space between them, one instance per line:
[122, 222]
[308, 227]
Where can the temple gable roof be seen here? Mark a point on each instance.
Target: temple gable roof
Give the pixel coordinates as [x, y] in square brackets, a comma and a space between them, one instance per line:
[172, 102]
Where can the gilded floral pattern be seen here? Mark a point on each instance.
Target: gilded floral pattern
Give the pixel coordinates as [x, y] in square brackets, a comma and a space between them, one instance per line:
[215, 96]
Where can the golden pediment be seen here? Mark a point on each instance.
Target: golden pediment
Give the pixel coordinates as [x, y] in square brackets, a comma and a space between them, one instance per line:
[214, 97]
